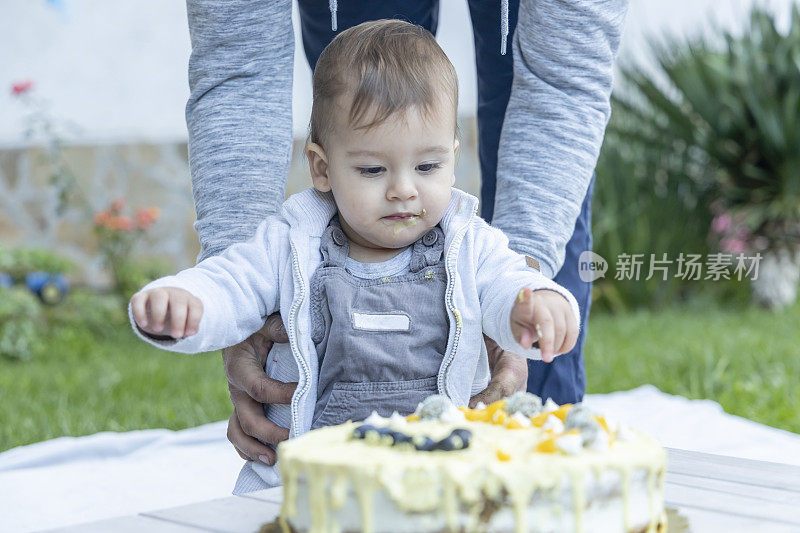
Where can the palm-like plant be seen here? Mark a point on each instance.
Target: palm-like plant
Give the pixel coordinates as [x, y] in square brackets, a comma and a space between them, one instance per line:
[738, 108]
[728, 113]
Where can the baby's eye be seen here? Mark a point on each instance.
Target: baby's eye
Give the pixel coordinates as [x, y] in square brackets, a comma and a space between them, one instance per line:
[428, 167]
[370, 171]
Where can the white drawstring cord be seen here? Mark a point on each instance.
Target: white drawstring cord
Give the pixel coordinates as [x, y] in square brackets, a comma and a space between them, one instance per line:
[333, 7]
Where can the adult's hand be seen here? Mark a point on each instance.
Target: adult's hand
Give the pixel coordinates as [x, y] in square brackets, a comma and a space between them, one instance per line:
[250, 432]
[509, 374]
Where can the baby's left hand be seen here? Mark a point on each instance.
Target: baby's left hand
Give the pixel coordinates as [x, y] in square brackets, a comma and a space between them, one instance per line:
[546, 316]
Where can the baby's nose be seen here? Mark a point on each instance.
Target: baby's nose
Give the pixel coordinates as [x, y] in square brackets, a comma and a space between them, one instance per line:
[402, 187]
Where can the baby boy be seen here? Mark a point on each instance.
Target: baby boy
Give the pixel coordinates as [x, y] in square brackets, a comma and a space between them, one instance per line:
[383, 273]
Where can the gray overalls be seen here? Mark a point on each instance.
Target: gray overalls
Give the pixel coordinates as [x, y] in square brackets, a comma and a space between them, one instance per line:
[380, 342]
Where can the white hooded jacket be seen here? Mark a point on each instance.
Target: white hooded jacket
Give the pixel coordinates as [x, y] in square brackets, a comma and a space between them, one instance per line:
[271, 272]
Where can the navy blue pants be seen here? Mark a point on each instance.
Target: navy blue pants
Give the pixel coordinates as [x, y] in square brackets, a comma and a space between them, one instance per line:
[563, 380]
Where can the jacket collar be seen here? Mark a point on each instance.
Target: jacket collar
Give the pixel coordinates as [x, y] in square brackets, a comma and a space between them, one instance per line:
[310, 211]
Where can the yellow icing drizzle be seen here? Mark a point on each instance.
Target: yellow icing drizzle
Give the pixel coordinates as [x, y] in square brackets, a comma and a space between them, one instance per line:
[456, 485]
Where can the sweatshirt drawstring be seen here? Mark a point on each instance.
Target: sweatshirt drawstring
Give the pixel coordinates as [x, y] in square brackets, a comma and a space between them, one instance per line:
[333, 6]
[503, 26]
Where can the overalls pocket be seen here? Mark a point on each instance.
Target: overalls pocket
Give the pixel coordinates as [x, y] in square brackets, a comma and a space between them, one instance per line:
[356, 401]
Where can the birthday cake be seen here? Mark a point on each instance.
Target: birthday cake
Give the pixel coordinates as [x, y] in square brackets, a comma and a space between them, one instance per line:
[512, 466]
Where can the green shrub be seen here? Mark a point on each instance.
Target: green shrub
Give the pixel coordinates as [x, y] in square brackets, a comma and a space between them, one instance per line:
[18, 262]
[131, 275]
[641, 205]
[20, 323]
[89, 310]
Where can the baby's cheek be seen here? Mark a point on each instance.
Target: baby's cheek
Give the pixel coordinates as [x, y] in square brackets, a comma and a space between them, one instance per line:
[352, 215]
[436, 206]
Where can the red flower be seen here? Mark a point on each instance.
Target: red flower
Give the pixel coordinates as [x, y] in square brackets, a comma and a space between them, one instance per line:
[21, 87]
[102, 218]
[146, 216]
[122, 223]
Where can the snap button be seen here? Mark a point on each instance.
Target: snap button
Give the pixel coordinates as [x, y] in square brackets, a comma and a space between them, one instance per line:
[430, 238]
[339, 237]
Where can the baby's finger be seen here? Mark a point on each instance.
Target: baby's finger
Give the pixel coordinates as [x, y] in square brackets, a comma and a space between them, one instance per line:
[178, 304]
[521, 316]
[158, 301]
[195, 314]
[139, 308]
[544, 321]
[571, 337]
[559, 330]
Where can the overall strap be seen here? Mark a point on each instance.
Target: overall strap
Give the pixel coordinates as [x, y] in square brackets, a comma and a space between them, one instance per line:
[334, 245]
[428, 250]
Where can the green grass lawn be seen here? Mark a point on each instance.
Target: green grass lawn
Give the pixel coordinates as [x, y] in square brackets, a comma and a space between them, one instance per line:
[746, 359]
[82, 385]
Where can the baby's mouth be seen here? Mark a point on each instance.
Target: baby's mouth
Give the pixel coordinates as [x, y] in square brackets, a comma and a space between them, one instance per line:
[404, 220]
[404, 217]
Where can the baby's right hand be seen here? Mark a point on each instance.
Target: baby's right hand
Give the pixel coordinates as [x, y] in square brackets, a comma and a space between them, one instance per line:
[167, 311]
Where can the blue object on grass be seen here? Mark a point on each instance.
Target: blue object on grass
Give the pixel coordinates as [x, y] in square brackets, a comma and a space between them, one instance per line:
[50, 288]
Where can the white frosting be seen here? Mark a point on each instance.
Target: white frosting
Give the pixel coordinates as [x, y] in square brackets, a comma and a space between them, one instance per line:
[549, 406]
[600, 443]
[570, 443]
[604, 512]
[397, 420]
[625, 434]
[376, 420]
[523, 420]
[453, 415]
[554, 424]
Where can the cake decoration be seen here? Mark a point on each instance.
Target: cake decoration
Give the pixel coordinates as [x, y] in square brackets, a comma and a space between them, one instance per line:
[458, 439]
[433, 407]
[522, 402]
[515, 465]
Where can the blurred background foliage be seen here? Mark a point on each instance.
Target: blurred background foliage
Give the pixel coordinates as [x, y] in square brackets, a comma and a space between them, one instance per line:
[715, 127]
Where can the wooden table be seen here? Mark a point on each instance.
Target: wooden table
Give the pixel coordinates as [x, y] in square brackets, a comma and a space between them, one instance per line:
[713, 492]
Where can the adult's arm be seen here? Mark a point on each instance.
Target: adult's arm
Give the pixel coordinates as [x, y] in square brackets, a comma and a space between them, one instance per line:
[555, 120]
[239, 115]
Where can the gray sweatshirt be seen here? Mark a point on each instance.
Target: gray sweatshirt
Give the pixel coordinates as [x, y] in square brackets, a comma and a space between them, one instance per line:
[239, 117]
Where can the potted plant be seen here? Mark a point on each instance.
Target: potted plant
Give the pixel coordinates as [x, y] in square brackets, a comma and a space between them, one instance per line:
[729, 110]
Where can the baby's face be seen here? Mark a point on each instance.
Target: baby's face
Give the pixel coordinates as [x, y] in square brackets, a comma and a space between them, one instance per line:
[391, 183]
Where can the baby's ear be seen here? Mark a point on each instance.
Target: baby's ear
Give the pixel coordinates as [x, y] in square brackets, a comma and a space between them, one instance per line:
[456, 144]
[318, 166]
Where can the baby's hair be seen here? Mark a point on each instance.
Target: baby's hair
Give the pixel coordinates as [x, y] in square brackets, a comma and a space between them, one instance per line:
[385, 67]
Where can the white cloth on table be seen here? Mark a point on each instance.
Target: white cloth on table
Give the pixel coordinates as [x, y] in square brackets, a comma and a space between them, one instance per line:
[69, 480]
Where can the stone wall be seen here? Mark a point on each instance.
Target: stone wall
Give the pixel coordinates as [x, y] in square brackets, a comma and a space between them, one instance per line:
[144, 175]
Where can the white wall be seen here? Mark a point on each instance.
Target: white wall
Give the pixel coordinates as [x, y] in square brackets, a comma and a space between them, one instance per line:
[117, 68]
[653, 19]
